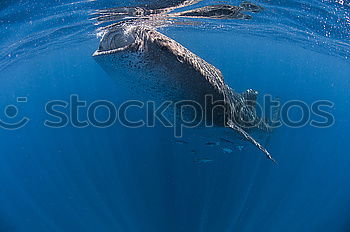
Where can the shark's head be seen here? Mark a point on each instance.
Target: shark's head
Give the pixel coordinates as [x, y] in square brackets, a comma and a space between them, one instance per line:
[117, 39]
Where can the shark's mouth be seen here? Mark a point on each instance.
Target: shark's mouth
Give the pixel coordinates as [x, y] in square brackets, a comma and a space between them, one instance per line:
[119, 40]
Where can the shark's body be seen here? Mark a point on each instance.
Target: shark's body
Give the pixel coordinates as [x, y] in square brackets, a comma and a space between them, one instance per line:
[164, 70]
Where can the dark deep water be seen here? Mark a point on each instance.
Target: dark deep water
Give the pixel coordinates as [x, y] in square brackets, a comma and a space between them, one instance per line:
[121, 179]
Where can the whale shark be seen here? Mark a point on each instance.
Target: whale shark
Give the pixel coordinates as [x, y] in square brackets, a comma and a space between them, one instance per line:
[159, 67]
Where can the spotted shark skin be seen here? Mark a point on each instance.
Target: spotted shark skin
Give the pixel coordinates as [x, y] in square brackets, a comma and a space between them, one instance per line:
[135, 45]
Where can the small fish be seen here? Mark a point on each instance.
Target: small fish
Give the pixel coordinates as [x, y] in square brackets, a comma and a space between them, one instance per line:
[181, 142]
[203, 161]
[227, 150]
[240, 148]
[226, 140]
[212, 144]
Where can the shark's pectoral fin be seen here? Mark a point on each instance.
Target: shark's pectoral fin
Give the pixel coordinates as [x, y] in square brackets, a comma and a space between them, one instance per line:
[270, 123]
[251, 139]
[250, 97]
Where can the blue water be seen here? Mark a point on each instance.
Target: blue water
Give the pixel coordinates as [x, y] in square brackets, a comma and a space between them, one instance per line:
[128, 180]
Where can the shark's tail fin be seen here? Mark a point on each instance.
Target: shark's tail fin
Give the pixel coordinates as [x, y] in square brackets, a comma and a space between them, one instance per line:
[252, 140]
[250, 96]
[276, 113]
[272, 120]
